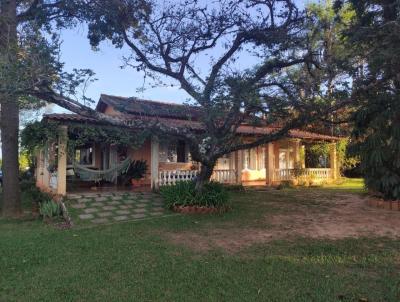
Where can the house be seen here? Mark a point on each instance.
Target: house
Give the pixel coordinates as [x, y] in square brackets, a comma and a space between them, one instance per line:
[169, 159]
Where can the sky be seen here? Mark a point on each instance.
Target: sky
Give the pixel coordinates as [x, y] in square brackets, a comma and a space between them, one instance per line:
[76, 52]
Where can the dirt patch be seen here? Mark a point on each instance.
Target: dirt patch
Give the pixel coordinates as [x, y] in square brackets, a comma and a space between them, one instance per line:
[348, 215]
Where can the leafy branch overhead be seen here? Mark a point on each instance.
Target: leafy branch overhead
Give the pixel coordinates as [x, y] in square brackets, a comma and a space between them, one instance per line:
[37, 134]
[240, 62]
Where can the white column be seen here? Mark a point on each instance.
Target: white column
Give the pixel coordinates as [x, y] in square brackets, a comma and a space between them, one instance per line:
[231, 175]
[333, 160]
[297, 163]
[287, 154]
[239, 166]
[269, 163]
[303, 157]
[154, 162]
[46, 162]
[62, 161]
[113, 157]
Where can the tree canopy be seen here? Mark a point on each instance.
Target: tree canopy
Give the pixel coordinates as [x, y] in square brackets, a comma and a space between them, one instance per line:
[173, 40]
[373, 39]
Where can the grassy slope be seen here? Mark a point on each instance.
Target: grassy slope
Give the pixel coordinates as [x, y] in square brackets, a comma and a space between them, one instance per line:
[133, 262]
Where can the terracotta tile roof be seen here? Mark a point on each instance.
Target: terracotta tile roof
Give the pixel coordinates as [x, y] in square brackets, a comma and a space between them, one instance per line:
[69, 117]
[138, 106]
[195, 125]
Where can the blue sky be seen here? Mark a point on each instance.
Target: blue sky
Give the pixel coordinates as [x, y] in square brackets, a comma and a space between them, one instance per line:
[111, 79]
[77, 53]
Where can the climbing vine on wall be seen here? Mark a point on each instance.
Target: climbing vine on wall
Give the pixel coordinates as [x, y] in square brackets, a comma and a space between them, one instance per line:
[37, 134]
[317, 155]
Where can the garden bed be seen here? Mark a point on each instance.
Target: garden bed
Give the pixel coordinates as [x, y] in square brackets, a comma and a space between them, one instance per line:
[393, 205]
[198, 210]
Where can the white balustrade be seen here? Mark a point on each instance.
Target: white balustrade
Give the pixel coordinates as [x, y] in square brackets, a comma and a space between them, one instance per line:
[171, 177]
[224, 176]
[289, 174]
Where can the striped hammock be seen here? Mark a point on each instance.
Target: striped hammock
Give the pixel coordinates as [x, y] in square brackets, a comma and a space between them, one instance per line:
[110, 175]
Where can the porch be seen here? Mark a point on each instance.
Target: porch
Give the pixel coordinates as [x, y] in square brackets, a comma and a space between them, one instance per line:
[170, 161]
[270, 164]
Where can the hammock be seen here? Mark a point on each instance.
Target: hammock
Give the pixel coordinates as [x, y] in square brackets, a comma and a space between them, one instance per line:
[110, 175]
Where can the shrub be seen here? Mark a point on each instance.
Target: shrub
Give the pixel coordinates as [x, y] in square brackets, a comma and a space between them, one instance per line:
[286, 184]
[184, 194]
[32, 193]
[235, 188]
[136, 170]
[49, 209]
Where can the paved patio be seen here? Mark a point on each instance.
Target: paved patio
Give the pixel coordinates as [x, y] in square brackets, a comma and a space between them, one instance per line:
[103, 208]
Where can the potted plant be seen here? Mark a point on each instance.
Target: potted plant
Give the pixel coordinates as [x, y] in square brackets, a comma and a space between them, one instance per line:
[136, 172]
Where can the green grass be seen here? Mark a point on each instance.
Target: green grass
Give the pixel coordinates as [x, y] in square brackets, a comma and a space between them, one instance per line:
[355, 184]
[135, 262]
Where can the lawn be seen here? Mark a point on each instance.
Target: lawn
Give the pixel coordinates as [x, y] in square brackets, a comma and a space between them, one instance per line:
[273, 246]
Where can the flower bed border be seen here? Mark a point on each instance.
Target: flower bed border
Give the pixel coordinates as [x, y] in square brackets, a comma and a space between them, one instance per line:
[198, 210]
[393, 205]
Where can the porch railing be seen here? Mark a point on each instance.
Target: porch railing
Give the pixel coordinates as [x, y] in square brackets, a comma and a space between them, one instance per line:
[284, 174]
[320, 173]
[288, 174]
[224, 176]
[166, 178]
[170, 177]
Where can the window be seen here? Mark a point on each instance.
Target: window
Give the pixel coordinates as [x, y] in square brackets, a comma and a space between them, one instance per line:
[261, 158]
[286, 158]
[254, 159]
[173, 152]
[83, 156]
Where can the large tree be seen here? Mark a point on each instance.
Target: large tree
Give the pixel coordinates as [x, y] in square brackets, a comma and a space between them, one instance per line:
[26, 58]
[9, 112]
[203, 49]
[373, 38]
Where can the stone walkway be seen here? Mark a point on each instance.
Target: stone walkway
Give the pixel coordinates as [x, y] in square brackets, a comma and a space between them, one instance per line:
[103, 208]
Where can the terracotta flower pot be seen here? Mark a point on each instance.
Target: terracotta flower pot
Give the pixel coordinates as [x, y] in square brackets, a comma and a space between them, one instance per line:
[387, 205]
[381, 204]
[137, 182]
[395, 205]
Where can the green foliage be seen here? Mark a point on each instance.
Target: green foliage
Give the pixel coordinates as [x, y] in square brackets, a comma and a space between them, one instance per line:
[374, 41]
[49, 209]
[183, 193]
[314, 152]
[32, 193]
[235, 187]
[81, 134]
[37, 134]
[284, 185]
[137, 169]
[25, 161]
[346, 160]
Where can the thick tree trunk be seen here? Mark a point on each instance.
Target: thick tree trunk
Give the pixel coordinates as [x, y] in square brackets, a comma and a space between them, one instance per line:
[9, 115]
[9, 139]
[204, 175]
